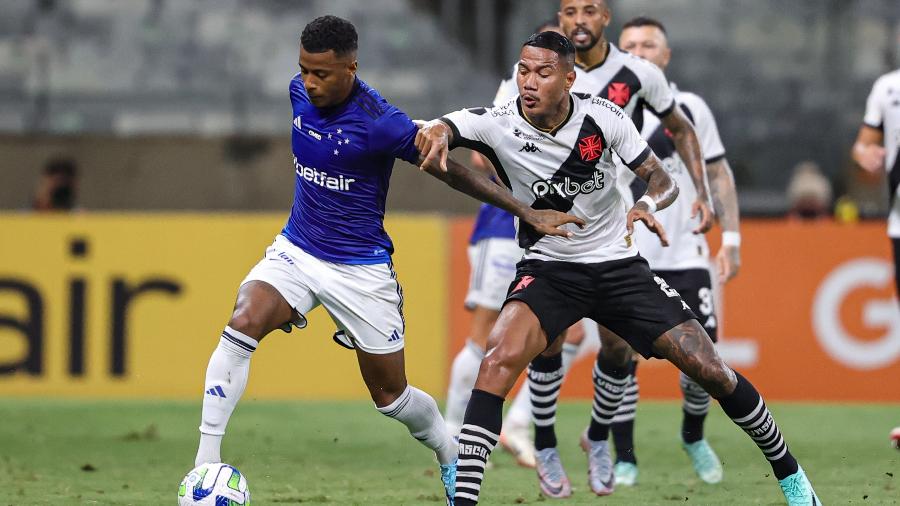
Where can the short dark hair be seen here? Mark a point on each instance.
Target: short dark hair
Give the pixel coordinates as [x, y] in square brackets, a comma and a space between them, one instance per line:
[554, 21]
[327, 33]
[640, 21]
[555, 42]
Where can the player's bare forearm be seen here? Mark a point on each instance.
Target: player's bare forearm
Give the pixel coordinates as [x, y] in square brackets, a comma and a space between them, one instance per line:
[477, 185]
[724, 195]
[688, 147]
[660, 187]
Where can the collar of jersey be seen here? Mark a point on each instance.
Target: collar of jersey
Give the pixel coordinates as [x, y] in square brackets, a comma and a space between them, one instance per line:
[609, 50]
[553, 130]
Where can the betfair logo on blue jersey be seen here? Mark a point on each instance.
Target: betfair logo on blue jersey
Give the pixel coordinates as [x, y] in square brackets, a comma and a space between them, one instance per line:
[321, 178]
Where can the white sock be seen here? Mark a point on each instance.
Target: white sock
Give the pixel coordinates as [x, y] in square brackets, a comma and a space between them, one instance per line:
[418, 411]
[569, 354]
[519, 414]
[226, 377]
[462, 380]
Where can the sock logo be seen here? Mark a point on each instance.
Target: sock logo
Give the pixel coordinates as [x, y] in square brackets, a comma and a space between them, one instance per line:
[216, 391]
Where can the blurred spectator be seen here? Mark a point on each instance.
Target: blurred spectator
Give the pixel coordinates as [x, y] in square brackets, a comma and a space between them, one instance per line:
[57, 189]
[809, 192]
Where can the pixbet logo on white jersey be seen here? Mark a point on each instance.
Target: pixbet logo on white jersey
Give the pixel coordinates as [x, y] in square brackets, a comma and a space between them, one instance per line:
[321, 178]
[567, 187]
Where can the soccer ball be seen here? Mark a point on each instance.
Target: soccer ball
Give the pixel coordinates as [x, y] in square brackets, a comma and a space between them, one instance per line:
[214, 485]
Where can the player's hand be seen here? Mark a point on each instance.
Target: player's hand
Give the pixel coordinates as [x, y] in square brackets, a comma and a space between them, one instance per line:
[870, 157]
[701, 208]
[640, 212]
[550, 222]
[728, 263]
[433, 143]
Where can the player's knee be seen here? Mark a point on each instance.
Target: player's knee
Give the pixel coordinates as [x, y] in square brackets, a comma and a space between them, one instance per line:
[617, 354]
[243, 321]
[717, 379]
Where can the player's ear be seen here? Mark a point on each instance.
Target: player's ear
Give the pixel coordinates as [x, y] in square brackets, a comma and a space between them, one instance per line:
[353, 66]
[570, 79]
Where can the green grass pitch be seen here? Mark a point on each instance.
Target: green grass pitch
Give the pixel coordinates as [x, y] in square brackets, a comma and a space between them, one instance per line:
[345, 453]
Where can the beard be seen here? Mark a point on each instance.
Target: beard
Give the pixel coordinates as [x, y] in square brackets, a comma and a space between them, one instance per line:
[584, 46]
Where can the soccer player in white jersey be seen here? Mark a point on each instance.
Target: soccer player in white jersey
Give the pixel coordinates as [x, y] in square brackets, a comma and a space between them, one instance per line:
[877, 148]
[595, 273]
[684, 265]
[334, 250]
[493, 254]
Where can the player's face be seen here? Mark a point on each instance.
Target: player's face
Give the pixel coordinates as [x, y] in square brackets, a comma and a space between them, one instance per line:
[583, 21]
[544, 81]
[648, 42]
[328, 77]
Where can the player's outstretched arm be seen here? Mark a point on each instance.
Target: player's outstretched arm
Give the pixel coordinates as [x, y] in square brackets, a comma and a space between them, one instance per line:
[661, 192]
[433, 141]
[688, 148]
[725, 203]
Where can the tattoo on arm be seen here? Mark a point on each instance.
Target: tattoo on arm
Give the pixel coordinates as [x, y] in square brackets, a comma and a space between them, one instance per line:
[688, 148]
[724, 195]
[660, 187]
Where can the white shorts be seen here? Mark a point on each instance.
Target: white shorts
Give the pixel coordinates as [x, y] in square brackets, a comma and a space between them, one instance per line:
[493, 268]
[365, 301]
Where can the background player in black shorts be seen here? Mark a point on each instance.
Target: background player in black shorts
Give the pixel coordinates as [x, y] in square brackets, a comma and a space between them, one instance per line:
[595, 273]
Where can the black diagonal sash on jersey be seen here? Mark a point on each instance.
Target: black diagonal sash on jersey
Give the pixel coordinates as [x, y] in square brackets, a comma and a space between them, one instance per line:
[663, 146]
[576, 169]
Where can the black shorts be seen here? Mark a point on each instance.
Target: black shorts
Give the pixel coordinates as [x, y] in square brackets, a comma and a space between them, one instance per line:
[622, 295]
[695, 287]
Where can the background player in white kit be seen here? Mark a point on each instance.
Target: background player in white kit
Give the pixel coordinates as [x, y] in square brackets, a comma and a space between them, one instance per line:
[684, 265]
[597, 273]
[877, 148]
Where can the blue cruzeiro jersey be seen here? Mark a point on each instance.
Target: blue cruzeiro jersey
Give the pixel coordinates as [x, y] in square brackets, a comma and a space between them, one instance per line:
[493, 223]
[343, 157]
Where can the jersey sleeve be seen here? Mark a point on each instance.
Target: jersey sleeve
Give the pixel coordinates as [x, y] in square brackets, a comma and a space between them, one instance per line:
[656, 91]
[471, 127]
[706, 128]
[874, 116]
[394, 134]
[620, 133]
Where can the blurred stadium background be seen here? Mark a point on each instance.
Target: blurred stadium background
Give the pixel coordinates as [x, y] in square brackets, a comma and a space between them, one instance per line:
[174, 114]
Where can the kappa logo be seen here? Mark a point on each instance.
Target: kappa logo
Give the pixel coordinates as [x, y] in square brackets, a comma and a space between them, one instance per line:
[529, 147]
[618, 93]
[590, 147]
[523, 283]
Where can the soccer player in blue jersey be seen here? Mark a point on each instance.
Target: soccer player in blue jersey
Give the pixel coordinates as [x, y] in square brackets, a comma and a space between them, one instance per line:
[334, 250]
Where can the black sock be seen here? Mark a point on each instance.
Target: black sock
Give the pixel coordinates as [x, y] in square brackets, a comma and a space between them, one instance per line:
[610, 383]
[695, 406]
[478, 437]
[746, 408]
[545, 375]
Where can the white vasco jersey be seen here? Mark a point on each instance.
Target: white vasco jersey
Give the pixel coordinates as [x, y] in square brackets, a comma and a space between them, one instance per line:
[883, 113]
[632, 83]
[571, 168]
[686, 250]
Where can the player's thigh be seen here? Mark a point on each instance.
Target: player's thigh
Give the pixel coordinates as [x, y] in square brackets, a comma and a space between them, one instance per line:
[384, 375]
[483, 320]
[695, 288]
[690, 349]
[366, 304]
[274, 292]
[636, 305]
[613, 348]
[515, 340]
